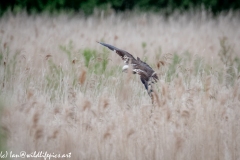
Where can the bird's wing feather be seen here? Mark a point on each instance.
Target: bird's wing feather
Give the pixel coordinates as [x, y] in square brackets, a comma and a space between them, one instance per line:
[143, 63]
[120, 52]
[146, 69]
[144, 82]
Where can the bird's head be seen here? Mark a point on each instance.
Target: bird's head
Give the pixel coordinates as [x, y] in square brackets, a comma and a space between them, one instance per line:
[125, 68]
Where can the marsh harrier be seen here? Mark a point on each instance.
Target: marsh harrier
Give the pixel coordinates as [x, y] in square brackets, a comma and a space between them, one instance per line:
[147, 74]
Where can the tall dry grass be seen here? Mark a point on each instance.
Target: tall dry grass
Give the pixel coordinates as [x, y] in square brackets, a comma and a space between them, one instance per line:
[56, 99]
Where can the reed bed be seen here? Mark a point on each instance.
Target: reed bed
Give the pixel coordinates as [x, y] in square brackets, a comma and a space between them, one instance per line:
[62, 92]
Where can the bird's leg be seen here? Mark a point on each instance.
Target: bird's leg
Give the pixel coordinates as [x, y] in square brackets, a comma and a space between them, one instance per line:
[150, 92]
[152, 97]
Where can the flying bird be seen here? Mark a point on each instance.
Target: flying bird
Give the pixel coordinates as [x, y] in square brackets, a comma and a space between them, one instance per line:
[147, 74]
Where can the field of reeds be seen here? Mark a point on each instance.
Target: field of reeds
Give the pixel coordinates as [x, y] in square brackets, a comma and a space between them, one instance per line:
[62, 92]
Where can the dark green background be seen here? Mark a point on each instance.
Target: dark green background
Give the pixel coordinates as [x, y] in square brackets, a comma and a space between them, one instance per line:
[87, 6]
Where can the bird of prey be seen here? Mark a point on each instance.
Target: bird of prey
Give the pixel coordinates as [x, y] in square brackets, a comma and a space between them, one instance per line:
[147, 74]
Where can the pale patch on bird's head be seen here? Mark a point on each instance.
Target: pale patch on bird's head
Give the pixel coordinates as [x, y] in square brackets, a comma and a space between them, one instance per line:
[125, 68]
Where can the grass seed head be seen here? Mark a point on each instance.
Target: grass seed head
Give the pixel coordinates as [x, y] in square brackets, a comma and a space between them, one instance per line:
[35, 119]
[38, 133]
[105, 103]
[106, 135]
[82, 77]
[86, 105]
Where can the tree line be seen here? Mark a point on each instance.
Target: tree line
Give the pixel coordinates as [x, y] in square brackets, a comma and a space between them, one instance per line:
[88, 6]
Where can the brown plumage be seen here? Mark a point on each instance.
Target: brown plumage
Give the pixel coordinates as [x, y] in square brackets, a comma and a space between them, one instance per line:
[147, 74]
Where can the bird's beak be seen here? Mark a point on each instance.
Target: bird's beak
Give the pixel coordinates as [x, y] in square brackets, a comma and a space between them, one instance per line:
[125, 70]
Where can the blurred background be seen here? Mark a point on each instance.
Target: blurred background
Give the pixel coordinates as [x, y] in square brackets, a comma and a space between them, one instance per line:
[62, 92]
[88, 6]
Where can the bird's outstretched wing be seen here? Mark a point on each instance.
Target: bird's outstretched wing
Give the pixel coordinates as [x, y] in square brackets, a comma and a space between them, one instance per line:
[120, 52]
[147, 74]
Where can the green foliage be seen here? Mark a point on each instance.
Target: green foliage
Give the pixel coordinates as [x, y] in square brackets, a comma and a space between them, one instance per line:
[96, 65]
[68, 50]
[72, 57]
[54, 76]
[226, 52]
[8, 66]
[144, 44]
[88, 55]
[237, 62]
[230, 61]
[95, 62]
[88, 6]
[3, 130]
[198, 65]
[172, 67]
[186, 64]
